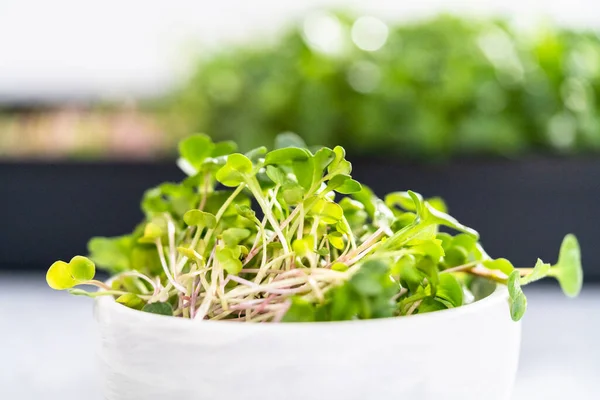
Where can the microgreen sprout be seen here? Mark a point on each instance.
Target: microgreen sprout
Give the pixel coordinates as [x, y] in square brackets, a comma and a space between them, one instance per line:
[288, 235]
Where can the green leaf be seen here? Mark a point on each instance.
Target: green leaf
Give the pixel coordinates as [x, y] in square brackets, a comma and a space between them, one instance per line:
[455, 256]
[200, 218]
[568, 270]
[500, 264]
[153, 202]
[152, 231]
[112, 254]
[441, 218]
[430, 269]
[158, 308]
[400, 199]
[322, 158]
[246, 212]
[410, 276]
[276, 174]
[62, 275]
[431, 248]
[228, 258]
[223, 148]
[234, 236]
[329, 212]
[59, 276]
[369, 280]
[289, 139]
[429, 304]
[145, 259]
[337, 240]
[299, 311]
[235, 170]
[191, 254]
[292, 193]
[82, 268]
[132, 301]
[430, 215]
[449, 290]
[339, 165]
[305, 172]
[322, 252]
[517, 300]
[438, 203]
[305, 246]
[446, 239]
[195, 149]
[343, 184]
[465, 241]
[286, 156]
[338, 266]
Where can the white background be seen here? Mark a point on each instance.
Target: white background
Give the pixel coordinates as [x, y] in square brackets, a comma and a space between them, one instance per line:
[65, 49]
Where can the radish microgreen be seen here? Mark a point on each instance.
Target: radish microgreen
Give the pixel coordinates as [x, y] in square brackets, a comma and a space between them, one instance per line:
[316, 246]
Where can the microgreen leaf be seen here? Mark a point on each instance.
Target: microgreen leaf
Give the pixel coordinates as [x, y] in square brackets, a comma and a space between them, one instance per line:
[82, 268]
[517, 299]
[449, 290]
[568, 269]
[337, 240]
[300, 311]
[432, 216]
[228, 258]
[160, 308]
[276, 174]
[322, 158]
[112, 254]
[343, 184]
[305, 246]
[400, 199]
[237, 167]
[223, 148]
[289, 139]
[339, 165]
[500, 264]
[245, 211]
[200, 218]
[292, 192]
[234, 236]
[305, 172]
[191, 254]
[329, 212]
[152, 231]
[132, 301]
[62, 275]
[59, 276]
[195, 149]
[286, 156]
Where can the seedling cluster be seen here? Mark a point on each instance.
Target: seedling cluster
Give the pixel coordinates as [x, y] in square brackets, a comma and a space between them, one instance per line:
[288, 235]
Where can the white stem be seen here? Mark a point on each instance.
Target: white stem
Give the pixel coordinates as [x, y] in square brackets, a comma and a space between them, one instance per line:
[163, 261]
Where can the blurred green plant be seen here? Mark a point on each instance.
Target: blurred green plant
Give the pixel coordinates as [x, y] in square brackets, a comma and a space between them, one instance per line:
[431, 89]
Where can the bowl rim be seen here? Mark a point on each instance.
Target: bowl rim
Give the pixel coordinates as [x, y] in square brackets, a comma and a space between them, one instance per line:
[500, 294]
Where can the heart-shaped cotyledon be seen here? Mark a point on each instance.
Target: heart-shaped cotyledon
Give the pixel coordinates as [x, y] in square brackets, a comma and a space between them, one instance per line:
[62, 275]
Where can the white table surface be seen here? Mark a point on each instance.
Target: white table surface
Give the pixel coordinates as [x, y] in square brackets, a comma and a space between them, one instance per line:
[47, 344]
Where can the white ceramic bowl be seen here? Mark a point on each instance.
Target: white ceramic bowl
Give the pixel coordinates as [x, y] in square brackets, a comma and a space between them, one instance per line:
[467, 353]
